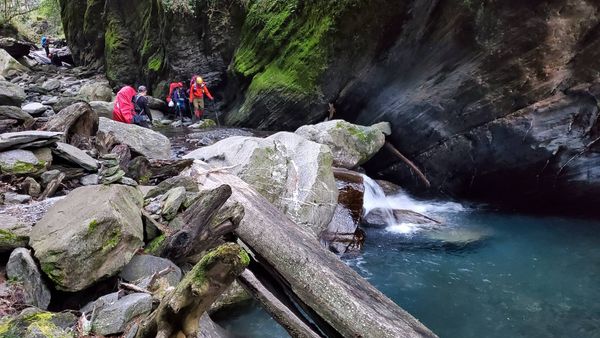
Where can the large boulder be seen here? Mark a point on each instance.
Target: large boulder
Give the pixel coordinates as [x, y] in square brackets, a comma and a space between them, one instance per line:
[35, 323]
[14, 47]
[13, 233]
[293, 173]
[89, 235]
[11, 94]
[20, 162]
[77, 119]
[8, 65]
[141, 140]
[22, 268]
[351, 144]
[12, 112]
[103, 108]
[96, 91]
[31, 138]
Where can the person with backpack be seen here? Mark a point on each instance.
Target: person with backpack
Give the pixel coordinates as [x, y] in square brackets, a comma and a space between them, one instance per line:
[142, 116]
[197, 91]
[46, 45]
[177, 98]
[124, 109]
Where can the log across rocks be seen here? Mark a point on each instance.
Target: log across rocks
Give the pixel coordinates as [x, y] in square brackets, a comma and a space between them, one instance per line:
[336, 293]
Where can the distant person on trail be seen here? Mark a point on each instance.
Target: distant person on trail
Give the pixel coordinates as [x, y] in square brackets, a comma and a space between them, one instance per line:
[197, 91]
[143, 116]
[124, 109]
[46, 45]
[177, 98]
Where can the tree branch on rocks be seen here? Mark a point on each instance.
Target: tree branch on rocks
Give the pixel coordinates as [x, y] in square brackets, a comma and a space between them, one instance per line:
[179, 312]
[408, 162]
[196, 235]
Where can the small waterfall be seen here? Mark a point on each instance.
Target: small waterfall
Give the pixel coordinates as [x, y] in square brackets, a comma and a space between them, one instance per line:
[375, 198]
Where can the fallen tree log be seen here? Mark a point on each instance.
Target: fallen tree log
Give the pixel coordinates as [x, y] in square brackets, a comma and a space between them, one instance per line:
[179, 312]
[335, 292]
[280, 312]
[205, 221]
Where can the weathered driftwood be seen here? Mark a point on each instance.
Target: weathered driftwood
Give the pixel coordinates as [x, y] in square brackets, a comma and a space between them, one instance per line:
[52, 187]
[163, 169]
[179, 312]
[277, 309]
[78, 118]
[335, 292]
[197, 234]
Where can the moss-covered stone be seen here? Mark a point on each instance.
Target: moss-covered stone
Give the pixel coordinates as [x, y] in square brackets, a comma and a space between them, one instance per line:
[13, 233]
[36, 323]
[155, 246]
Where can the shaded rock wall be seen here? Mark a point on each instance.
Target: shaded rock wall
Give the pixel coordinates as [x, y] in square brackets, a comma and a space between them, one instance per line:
[492, 99]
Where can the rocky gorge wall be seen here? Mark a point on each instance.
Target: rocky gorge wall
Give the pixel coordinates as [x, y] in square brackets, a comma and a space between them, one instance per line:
[494, 100]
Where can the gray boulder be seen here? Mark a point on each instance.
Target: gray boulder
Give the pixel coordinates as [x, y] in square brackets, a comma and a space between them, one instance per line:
[157, 104]
[13, 233]
[174, 198]
[11, 94]
[204, 124]
[291, 172]
[142, 140]
[103, 108]
[113, 318]
[144, 266]
[49, 176]
[15, 113]
[89, 180]
[351, 144]
[22, 267]
[89, 235]
[20, 162]
[16, 48]
[31, 138]
[34, 108]
[12, 198]
[9, 66]
[32, 187]
[51, 84]
[76, 155]
[96, 91]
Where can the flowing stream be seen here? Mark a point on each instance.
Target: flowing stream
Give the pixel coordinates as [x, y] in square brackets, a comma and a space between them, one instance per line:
[482, 274]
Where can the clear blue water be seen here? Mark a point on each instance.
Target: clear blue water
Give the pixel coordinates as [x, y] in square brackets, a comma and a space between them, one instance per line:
[528, 277]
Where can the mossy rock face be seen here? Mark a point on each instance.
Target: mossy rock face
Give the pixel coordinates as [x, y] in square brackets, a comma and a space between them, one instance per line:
[35, 323]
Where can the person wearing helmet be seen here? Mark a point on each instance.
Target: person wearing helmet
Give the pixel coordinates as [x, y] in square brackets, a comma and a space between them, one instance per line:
[197, 91]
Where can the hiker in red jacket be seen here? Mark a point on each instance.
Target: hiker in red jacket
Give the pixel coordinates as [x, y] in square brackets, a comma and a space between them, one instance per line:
[197, 91]
[124, 109]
